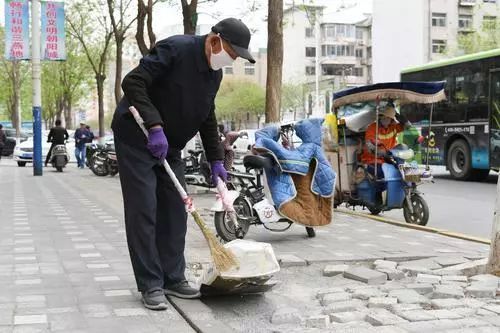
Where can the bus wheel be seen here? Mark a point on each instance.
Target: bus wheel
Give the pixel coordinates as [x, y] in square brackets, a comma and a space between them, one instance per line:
[459, 160]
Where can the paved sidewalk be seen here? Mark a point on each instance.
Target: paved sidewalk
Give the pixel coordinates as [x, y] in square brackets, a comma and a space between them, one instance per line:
[64, 259]
[64, 263]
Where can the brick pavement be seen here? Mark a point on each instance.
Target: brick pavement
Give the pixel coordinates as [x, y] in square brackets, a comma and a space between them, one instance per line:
[64, 258]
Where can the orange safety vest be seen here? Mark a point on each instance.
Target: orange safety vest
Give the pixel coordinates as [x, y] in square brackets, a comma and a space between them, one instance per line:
[387, 139]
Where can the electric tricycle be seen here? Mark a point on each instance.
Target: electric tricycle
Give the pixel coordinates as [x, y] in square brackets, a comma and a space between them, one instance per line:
[394, 183]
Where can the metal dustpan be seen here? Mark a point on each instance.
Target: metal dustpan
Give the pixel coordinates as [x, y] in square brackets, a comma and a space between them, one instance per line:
[257, 265]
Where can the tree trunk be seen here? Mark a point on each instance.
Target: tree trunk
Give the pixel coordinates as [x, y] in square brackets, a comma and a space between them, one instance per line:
[100, 97]
[493, 266]
[274, 60]
[68, 117]
[189, 15]
[139, 36]
[145, 13]
[151, 34]
[119, 66]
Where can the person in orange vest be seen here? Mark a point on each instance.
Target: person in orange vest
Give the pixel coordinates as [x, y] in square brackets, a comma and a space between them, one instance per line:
[390, 124]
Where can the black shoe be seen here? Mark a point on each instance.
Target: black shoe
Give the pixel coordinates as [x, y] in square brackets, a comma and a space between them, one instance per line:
[182, 290]
[154, 299]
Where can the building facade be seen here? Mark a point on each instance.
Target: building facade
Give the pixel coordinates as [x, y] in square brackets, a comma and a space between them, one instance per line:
[330, 44]
[423, 31]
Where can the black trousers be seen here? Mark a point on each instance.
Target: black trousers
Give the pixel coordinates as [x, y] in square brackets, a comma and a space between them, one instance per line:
[155, 217]
[47, 159]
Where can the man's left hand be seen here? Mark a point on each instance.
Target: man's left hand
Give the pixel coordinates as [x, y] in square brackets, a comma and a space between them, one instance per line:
[218, 171]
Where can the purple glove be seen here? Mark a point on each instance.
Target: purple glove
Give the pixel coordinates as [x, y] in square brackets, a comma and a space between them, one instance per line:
[157, 143]
[218, 171]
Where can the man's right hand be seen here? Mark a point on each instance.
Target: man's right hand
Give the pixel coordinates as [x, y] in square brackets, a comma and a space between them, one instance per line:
[157, 142]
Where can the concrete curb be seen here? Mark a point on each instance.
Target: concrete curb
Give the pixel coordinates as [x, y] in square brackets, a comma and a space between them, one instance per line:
[198, 315]
[417, 227]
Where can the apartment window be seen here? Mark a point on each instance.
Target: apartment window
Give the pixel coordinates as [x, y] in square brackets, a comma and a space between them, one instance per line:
[357, 71]
[490, 1]
[465, 21]
[249, 68]
[310, 51]
[339, 31]
[337, 50]
[489, 22]
[438, 19]
[336, 69]
[438, 46]
[359, 53]
[228, 70]
[359, 33]
[310, 70]
[309, 32]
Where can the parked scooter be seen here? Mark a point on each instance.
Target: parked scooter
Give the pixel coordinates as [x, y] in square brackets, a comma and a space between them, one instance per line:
[103, 161]
[249, 199]
[197, 171]
[197, 168]
[59, 157]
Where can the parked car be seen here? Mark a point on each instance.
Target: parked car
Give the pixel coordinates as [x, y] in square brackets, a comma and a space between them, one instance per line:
[244, 143]
[10, 133]
[23, 153]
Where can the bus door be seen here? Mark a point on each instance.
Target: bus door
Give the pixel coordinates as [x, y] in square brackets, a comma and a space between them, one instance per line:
[494, 118]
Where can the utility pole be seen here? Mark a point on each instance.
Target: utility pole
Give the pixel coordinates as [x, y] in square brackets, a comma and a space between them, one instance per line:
[493, 266]
[37, 88]
[318, 50]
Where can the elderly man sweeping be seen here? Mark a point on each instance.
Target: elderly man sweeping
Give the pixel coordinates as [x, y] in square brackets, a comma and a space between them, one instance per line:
[173, 88]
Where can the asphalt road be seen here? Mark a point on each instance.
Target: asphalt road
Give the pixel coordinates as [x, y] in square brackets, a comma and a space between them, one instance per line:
[465, 207]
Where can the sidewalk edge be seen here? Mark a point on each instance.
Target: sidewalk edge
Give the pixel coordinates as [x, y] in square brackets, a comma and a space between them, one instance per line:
[417, 227]
[203, 325]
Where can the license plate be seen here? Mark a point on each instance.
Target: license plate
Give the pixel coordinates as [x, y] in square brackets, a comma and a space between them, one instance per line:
[189, 163]
[26, 155]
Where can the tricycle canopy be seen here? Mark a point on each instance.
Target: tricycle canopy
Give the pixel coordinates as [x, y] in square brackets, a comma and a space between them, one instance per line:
[403, 92]
[358, 105]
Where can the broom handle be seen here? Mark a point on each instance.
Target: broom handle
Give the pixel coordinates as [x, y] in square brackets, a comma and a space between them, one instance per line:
[187, 200]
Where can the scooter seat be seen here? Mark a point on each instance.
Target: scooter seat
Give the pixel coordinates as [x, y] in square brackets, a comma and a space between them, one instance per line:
[257, 162]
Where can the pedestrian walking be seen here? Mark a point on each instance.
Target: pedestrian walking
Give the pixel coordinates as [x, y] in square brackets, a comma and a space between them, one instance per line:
[173, 88]
[58, 136]
[81, 137]
[3, 140]
[91, 134]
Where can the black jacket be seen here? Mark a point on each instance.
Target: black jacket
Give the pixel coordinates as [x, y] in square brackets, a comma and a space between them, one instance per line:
[173, 86]
[58, 135]
[3, 138]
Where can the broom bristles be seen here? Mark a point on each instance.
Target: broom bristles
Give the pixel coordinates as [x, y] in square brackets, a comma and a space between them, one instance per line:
[224, 259]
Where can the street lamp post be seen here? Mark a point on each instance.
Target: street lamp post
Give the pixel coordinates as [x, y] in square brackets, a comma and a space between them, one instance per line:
[317, 67]
[37, 88]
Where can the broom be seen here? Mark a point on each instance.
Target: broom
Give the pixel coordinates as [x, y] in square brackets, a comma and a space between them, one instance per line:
[223, 258]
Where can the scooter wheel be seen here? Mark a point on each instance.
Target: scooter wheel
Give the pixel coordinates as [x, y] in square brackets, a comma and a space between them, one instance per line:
[311, 233]
[59, 169]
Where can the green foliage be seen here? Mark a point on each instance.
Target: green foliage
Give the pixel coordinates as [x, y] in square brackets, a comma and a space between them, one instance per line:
[7, 84]
[487, 38]
[238, 99]
[292, 96]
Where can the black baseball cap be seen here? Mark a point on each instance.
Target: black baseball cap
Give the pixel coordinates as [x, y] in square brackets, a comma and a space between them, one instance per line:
[237, 34]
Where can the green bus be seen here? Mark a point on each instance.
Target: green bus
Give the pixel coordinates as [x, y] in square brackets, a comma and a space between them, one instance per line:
[465, 130]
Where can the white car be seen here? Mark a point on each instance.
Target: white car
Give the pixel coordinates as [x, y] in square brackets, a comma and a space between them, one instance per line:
[244, 143]
[23, 153]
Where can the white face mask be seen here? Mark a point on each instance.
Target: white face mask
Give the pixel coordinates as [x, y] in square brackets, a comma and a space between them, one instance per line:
[221, 59]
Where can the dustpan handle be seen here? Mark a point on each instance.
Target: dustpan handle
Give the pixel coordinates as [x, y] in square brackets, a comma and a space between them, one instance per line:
[187, 200]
